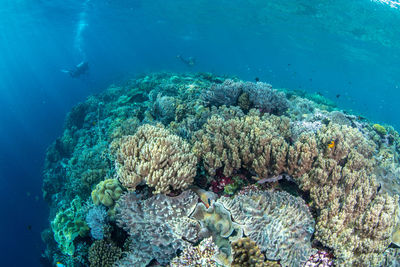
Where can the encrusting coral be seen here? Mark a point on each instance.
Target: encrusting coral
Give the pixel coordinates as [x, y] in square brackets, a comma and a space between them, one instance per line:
[253, 142]
[353, 220]
[157, 157]
[279, 223]
[247, 253]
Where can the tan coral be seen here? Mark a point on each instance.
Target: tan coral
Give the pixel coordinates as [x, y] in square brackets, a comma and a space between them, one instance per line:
[254, 142]
[247, 253]
[155, 156]
[353, 220]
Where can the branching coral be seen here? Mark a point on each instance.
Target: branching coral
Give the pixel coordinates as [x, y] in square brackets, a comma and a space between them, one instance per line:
[279, 223]
[157, 157]
[103, 254]
[251, 142]
[153, 228]
[247, 253]
[353, 221]
[257, 95]
[200, 255]
[96, 218]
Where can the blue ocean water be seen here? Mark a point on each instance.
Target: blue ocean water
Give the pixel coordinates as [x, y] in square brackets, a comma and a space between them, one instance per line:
[346, 50]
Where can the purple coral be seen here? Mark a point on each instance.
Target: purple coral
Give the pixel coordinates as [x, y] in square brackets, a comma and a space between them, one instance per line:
[269, 100]
[261, 95]
[226, 93]
[321, 259]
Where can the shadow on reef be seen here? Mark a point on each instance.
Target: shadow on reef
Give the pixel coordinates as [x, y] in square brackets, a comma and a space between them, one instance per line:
[195, 169]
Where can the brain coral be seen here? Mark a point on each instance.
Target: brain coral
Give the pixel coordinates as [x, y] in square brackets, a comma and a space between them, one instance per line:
[157, 157]
[151, 224]
[252, 142]
[279, 223]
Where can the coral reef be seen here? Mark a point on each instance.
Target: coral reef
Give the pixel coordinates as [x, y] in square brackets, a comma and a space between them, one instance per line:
[279, 223]
[156, 156]
[162, 133]
[103, 254]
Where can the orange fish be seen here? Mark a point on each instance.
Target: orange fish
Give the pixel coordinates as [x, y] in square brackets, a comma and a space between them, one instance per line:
[332, 144]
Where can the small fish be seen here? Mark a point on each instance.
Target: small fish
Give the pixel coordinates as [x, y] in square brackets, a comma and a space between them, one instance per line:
[59, 264]
[338, 95]
[257, 79]
[331, 144]
[29, 227]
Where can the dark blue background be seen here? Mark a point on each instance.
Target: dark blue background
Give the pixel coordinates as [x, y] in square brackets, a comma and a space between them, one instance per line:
[347, 48]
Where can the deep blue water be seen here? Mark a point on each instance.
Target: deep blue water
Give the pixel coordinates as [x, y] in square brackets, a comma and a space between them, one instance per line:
[351, 48]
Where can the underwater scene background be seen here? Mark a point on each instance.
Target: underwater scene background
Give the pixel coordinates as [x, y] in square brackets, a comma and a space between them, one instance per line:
[290, 108]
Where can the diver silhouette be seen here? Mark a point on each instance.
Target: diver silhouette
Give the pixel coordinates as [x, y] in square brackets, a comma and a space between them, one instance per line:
[79, 70]
[190, 61]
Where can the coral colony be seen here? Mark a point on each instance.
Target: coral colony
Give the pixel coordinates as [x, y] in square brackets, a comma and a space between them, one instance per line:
[200, 170]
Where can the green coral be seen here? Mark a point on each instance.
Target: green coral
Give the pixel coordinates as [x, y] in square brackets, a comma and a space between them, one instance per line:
[379, 129]
[107, 192]
[68, 224]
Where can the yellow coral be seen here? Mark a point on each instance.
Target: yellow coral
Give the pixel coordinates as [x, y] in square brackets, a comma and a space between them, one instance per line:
[247, 253]
[157, 157]
[107, 192]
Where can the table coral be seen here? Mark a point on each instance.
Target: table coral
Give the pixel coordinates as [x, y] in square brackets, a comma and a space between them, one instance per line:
[279, 223]
[157, 157]
[253, 142]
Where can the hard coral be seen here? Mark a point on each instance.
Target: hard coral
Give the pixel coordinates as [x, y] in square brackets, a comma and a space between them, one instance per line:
[157, 157]
[247, 253]
[103, 254]
[198, 256]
